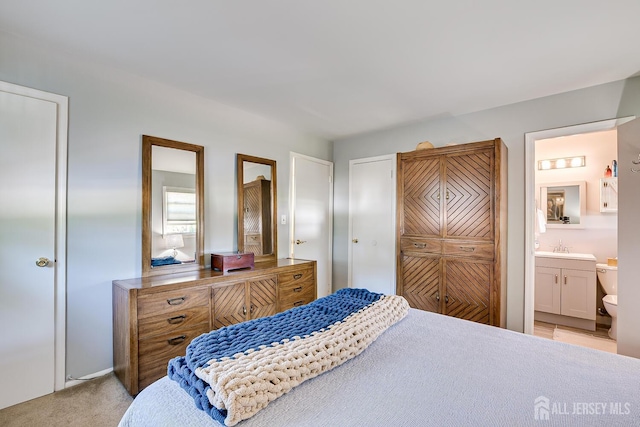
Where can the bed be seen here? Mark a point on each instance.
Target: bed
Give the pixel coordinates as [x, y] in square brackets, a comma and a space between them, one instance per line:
[431, 369]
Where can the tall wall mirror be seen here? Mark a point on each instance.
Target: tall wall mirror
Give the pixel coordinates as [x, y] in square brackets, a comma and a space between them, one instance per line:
[564, 204]
[257, 231]
[172, 206]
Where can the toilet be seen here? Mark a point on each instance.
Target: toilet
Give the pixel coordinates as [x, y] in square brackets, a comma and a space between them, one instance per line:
[608, 278]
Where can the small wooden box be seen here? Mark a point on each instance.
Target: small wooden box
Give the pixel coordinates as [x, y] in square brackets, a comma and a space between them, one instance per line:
[228, 261]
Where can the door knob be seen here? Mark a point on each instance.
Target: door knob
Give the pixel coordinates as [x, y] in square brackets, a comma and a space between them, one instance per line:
[355, 240]
[299, 242]
[42, 262]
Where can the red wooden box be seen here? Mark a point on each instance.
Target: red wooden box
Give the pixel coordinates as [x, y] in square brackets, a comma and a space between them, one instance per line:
[227, 261]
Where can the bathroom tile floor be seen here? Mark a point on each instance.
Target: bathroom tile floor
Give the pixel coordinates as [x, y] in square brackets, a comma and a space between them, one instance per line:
[598, 339]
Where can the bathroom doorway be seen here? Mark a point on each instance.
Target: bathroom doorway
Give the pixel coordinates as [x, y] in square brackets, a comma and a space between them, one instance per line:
[569, 136]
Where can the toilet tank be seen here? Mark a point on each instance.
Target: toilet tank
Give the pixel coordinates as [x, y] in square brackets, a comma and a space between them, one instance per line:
[608, 278]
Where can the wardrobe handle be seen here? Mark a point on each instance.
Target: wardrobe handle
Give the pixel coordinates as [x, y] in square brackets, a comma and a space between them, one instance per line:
[176, 301]
[467, 248]
[446, 299]
[177, 340]
[177, 319]
[438, 296]
[244, 310]
[447, 194]
[251, 309]
[420, 245]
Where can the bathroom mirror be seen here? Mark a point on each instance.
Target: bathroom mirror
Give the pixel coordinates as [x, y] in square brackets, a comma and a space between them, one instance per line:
[257, 232]
[172, 206]
[564, 204]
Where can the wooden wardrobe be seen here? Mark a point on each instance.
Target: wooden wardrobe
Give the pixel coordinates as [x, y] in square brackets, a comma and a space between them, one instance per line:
[451, 236]
[257, 216]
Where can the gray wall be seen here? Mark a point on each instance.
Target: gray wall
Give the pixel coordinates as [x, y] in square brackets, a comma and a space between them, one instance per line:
[108, 112]
[511, 122]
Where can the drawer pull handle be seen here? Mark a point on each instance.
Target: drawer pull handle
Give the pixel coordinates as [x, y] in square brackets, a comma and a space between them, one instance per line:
[177, 319]
[420, 245]
[297, 276]
[467, 248]
[176, 301]
[298, 289]
[177, 340]
[298, 303]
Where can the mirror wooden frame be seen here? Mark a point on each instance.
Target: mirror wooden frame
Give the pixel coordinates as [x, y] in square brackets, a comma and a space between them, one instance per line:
[240, 159]
[147, 143]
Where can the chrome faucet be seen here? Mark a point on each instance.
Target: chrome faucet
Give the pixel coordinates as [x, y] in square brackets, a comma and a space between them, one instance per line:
[560, 247]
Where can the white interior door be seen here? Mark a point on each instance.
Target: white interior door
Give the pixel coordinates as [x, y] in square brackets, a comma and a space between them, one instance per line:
[28, 133]
[628, 238]
[372, 212]
[311, 214]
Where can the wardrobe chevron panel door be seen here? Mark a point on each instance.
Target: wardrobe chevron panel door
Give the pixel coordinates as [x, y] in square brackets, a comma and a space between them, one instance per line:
[421, 277]
[421, 214]
[451, 235]
[467, 295]
[468, 195]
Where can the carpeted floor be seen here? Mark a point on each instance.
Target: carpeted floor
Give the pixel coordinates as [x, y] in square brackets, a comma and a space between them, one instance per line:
[98, 402]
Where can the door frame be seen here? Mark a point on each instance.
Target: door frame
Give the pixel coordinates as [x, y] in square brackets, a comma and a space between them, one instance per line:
[530, 139]
[60, 236]
[292, 183]
[394, 165]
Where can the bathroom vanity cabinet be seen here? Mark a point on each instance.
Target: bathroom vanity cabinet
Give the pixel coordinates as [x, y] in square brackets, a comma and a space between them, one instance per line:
[565, 289]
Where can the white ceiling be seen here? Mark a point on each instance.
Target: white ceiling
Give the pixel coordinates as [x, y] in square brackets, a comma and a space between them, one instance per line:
[335, 68]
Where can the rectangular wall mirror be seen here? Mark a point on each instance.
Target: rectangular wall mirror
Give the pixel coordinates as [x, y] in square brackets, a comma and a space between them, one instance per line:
[564, 203]
[172, 206]
[257, 228]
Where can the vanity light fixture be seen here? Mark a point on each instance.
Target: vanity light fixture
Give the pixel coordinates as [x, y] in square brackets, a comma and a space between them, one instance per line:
[563, 163]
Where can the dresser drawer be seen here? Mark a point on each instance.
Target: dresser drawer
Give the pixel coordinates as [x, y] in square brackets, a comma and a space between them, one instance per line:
[295, 278]
[294, 298]
[171, 322]
[423, 246]
[172, 301]
[154, 353]
[469, 249]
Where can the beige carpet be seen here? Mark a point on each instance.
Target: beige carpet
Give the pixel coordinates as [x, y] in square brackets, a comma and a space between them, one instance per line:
[583, 340]
[98, 402]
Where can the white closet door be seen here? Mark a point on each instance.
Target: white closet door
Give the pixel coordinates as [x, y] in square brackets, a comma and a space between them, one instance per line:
[311, 215]
[372, 190]
[27, 233]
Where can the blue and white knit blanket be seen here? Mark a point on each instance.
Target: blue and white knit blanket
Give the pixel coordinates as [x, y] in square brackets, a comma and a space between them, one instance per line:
[234, 372]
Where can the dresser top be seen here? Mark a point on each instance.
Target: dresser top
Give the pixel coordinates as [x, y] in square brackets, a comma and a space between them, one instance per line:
[208, 275]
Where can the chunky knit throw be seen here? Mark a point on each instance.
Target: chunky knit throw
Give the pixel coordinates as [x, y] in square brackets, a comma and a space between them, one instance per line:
[234, 372]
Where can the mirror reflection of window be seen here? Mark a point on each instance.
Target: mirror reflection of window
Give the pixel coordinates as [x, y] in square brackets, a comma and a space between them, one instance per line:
[173, 204]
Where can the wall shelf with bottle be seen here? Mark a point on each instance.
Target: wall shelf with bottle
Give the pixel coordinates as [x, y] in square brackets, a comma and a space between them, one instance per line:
[609, 194]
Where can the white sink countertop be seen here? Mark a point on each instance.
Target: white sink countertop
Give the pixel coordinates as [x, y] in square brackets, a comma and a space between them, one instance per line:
[566, 255]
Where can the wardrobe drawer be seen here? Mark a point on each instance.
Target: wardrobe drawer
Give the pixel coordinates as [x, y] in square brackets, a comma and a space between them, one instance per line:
[424, 246]
[172, 322]
[295, 278]
[172, 301]
[469, 249]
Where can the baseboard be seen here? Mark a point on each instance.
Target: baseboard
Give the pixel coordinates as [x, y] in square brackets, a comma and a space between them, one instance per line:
[76, 381]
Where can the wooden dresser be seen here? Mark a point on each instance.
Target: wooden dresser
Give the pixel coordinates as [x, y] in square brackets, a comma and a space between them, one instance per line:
[451, 237]
[155, 318]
